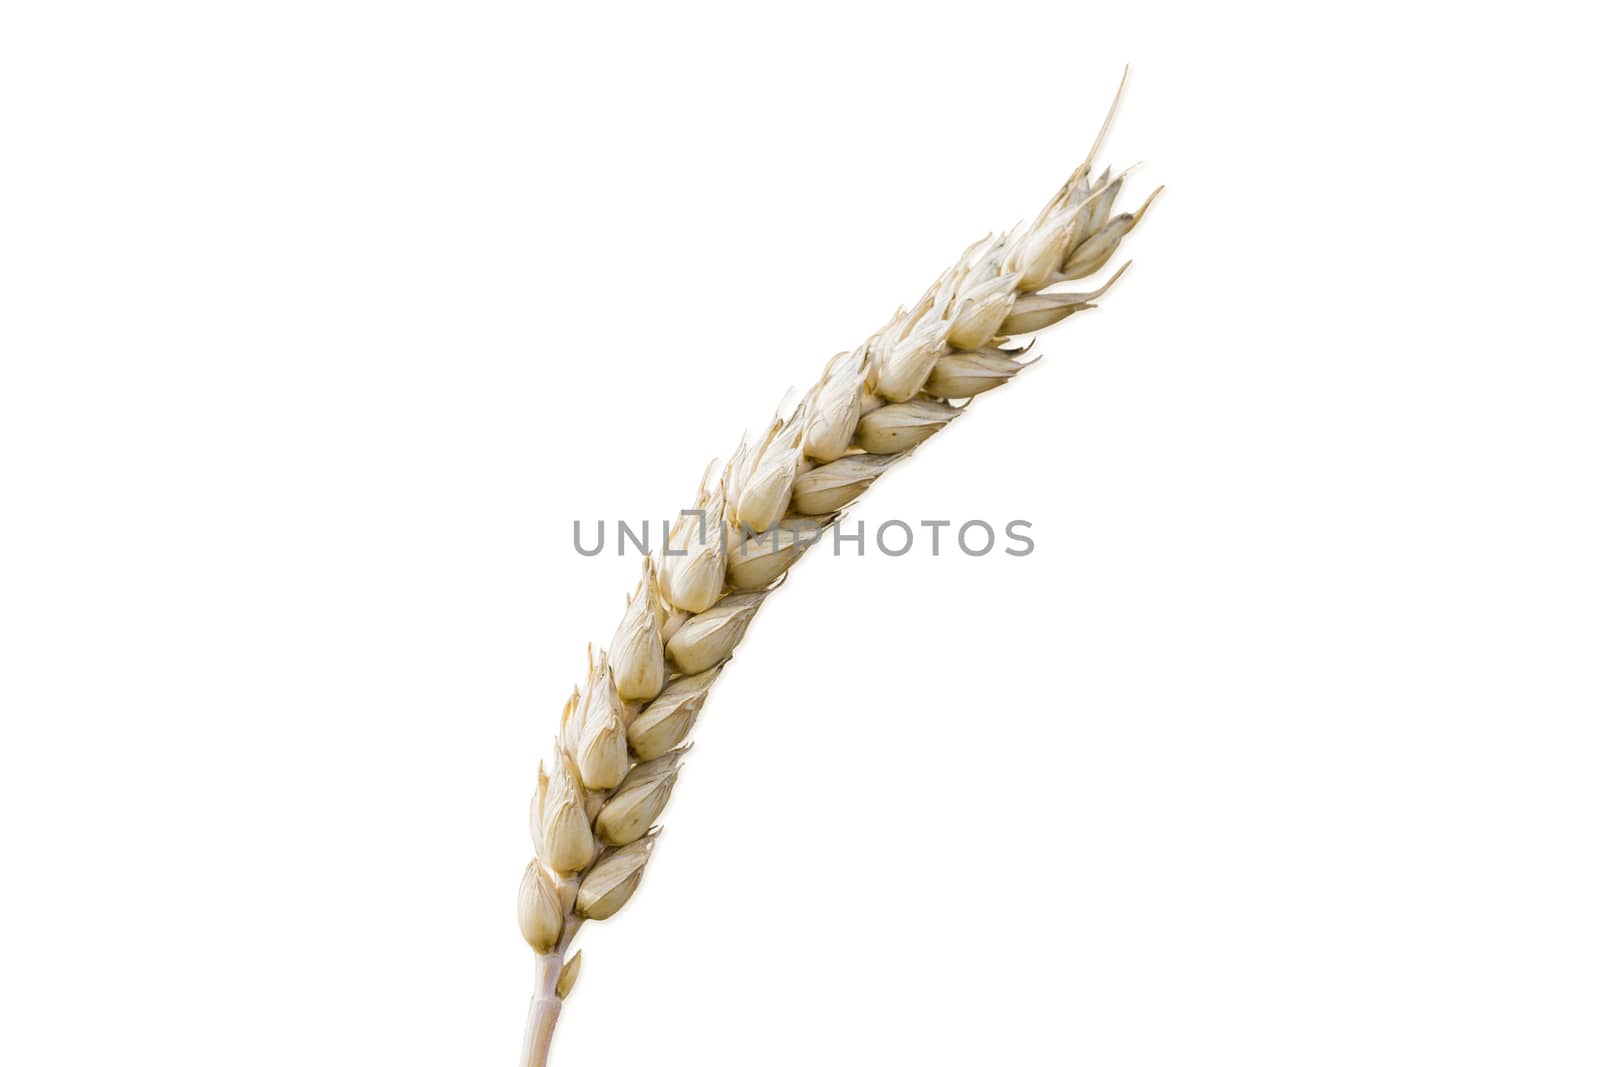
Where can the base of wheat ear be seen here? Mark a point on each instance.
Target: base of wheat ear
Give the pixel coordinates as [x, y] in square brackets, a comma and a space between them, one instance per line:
[622, 737]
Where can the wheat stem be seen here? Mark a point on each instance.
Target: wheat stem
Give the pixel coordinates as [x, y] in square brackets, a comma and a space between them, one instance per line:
[622, 736]
[543, 1011]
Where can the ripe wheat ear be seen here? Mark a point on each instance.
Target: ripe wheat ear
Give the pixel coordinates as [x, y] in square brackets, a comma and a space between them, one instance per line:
[621, 739]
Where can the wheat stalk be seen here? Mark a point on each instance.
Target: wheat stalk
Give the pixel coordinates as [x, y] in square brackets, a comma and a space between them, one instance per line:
[622, 735]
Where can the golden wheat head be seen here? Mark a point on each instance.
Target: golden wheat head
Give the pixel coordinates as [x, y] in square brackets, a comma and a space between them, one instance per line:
[622, 735]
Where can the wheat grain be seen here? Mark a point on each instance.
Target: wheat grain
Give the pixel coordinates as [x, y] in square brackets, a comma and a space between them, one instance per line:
[621, 741]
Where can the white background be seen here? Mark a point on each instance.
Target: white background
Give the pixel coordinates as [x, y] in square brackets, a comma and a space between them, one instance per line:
[321, 322]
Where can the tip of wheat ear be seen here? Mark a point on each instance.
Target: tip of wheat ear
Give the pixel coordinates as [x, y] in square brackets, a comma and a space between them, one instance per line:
[622, 735]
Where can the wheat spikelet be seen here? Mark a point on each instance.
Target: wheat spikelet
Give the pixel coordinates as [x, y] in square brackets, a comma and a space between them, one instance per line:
[622, 736]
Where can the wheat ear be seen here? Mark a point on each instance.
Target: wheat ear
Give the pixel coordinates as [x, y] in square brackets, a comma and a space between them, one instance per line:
[622, 735]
